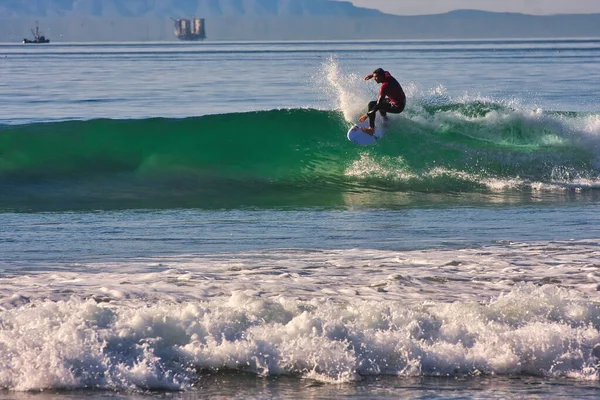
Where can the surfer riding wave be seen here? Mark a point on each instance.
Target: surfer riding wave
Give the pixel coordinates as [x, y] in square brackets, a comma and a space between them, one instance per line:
[391, 99]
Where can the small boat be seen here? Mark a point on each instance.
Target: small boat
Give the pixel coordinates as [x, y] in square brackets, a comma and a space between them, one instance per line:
[37, 38]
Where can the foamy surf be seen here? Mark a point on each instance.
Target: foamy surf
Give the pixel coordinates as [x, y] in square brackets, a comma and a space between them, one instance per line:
[544, 331]
[329, 315]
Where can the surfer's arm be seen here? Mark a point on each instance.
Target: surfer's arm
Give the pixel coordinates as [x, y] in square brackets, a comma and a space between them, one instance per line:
[368, 77]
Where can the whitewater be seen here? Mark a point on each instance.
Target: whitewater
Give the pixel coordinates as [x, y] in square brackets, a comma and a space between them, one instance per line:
[193, 223]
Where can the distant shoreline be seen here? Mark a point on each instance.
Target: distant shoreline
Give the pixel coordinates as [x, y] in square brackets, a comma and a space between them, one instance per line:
[455, 25]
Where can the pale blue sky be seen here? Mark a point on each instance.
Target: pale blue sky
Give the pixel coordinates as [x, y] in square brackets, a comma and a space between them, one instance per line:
[538, 7]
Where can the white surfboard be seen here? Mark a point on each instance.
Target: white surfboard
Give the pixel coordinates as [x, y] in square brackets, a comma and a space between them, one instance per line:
[359, 137]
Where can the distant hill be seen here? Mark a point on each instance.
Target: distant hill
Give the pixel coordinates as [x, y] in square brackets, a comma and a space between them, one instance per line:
[169, 8]
[150, 20]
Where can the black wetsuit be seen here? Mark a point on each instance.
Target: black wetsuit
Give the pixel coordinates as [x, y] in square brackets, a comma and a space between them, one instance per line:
[391, 99]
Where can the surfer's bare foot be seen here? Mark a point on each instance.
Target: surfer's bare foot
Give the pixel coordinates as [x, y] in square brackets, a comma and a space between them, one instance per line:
[369, 130]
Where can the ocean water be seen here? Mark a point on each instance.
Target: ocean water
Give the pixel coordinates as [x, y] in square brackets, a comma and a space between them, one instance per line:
[188, 220]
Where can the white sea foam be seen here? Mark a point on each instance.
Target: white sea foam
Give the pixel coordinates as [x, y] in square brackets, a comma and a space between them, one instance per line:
[511, 308]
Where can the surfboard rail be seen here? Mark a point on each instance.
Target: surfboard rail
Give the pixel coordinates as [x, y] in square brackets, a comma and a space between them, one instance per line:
[356, 135]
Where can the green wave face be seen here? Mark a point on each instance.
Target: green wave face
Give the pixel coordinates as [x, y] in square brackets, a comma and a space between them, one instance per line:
[298, 156]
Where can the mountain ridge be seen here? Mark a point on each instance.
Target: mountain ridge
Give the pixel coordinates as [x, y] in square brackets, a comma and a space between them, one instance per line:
[168, 8]
[150, 20]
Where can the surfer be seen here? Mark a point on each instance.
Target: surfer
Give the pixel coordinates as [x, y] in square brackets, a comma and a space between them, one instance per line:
[391, 99]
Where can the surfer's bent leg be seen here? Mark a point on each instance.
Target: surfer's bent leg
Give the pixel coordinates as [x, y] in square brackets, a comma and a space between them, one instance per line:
[395, 108]
[372, 115]
[384, 107]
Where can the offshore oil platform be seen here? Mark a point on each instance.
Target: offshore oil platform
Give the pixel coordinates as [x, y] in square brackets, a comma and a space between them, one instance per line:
[190, 28]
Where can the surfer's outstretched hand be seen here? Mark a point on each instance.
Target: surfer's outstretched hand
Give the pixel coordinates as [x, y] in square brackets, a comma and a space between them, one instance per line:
[363, 118]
